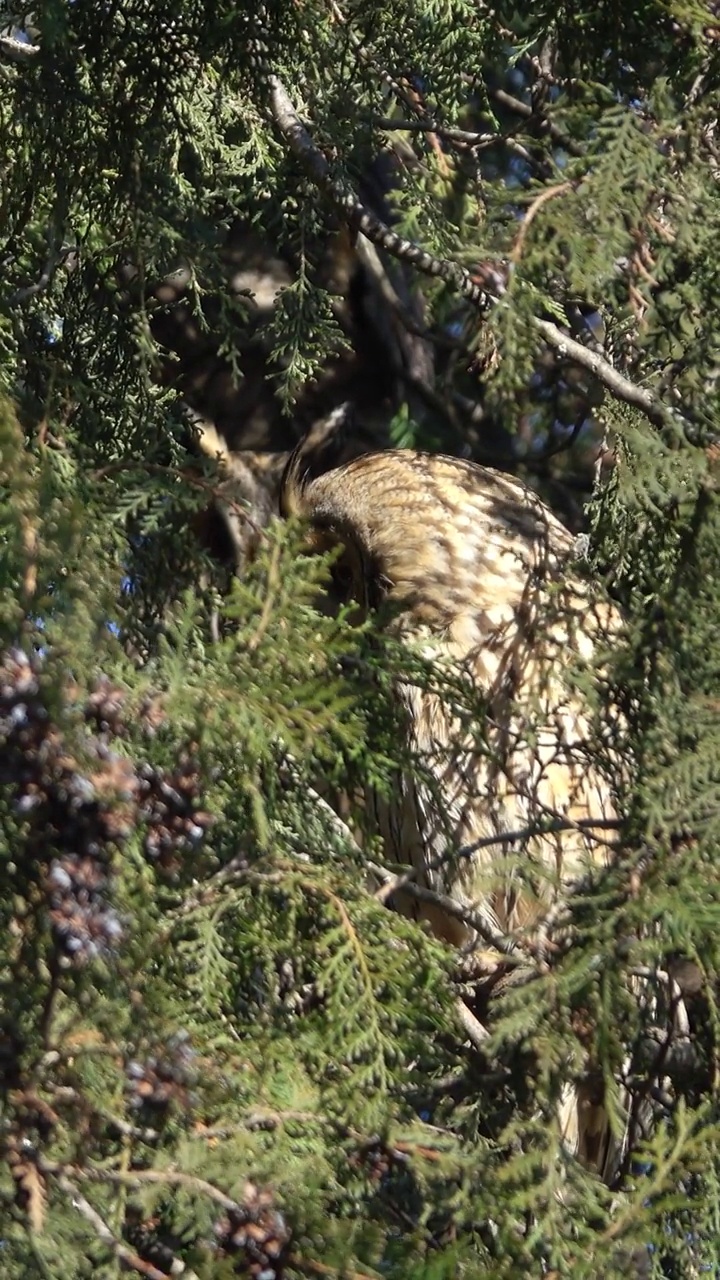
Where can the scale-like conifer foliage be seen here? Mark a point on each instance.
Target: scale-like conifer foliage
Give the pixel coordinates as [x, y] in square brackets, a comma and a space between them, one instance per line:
[490, 232]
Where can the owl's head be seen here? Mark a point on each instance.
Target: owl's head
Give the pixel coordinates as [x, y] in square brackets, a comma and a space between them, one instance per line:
[332, 506]
[439, 541]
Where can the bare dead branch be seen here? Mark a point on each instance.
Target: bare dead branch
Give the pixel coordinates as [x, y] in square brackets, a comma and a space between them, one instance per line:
[371, 260]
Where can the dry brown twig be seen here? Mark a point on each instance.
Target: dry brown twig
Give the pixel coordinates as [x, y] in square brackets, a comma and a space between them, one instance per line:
[549, 193]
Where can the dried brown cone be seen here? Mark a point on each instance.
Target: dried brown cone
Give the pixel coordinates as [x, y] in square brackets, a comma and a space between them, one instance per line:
[256, 1234]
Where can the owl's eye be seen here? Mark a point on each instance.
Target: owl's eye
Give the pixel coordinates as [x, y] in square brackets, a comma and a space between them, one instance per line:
[343, 577]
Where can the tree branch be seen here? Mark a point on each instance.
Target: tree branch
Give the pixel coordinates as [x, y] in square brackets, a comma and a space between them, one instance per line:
[56, 256]
[362, 219]
[503, 838]
[125, 1255]
[355, 213]
[477, 1034]
[520, 108]
[504, 943]
[654, 409]
[137, 1178]
[17, 50]
[462, 137]
[453, 273]
[214, 491]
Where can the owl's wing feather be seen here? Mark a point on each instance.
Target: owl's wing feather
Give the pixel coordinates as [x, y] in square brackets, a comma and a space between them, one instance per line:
[470, 565]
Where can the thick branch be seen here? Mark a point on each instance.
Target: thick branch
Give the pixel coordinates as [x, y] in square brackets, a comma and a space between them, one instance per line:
[17, 50]
[355, 213]
[654, 409]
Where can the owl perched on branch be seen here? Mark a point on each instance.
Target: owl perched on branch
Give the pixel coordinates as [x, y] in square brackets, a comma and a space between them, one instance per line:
[509, 808]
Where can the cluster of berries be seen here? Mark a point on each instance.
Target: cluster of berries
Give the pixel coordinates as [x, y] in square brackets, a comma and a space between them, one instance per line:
[82, 801]
[165, 1077]
[256, 1235]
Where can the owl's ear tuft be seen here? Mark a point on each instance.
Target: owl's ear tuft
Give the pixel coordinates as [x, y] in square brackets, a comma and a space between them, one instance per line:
[318, 452]
[294, 482]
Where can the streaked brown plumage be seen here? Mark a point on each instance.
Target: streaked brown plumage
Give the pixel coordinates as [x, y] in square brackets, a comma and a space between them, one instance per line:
[472, 566]
[248, 495]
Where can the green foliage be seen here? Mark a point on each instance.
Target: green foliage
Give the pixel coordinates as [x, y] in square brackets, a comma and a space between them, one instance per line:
[214, 1036]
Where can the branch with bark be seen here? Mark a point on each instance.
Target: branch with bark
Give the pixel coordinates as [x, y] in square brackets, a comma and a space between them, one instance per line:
[355, 213]
[360, 218]
[20, 51]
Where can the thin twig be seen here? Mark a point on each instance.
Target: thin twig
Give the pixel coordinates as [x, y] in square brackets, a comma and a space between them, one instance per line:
[400, 91]
[237, 871]
[140, 1177]
[178, 473]
[520, 108]
[549, 193]
[321, 1269]
[560, 446]
[502, 838]
[56, 256]
[273, 578]
[465, 137]
[508, 946]
[125, 1255]
[65, 1093]
[256, 1120]
[50, 1001]
[659, 413]
[289, 770]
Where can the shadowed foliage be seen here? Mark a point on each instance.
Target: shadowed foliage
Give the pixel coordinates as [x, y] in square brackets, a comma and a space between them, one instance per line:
[229, 1042]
